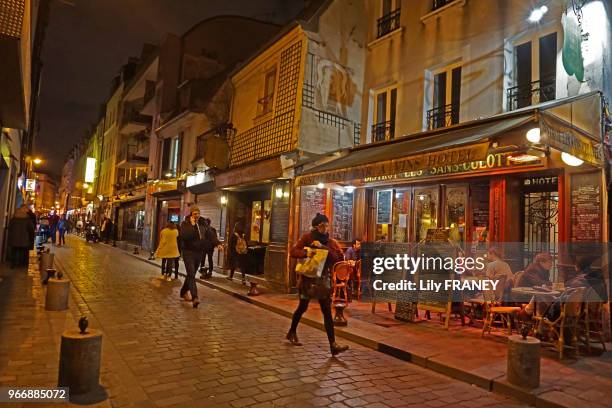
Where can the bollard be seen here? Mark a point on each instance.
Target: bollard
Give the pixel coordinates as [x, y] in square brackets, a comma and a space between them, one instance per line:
[339, 319]
[79, 367]
[47, 274]
[523, 365]
[253, 290]
[58, 291]
[46, 261]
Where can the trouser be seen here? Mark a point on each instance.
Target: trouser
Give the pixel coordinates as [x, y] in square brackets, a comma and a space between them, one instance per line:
[207, 255]
[240, 260]
[53, 230]
[166, 266]
[20, 256]
[192, 260]
[325, 305]
[62, 237]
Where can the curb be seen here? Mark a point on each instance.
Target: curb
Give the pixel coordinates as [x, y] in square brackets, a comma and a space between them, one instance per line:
[496, 385]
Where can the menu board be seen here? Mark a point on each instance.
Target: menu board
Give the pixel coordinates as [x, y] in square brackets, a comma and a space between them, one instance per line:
[480, 205]
[384, 201]
[279, 222]
[313, 202]
[585, 207]
[342, 221]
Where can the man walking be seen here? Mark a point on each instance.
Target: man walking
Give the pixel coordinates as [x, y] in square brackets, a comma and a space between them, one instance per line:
[192, 239]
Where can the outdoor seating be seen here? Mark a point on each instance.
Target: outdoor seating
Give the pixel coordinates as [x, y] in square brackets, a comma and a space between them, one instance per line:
[341, 274]
[493, 310]
[590, 328]
[358, 278]
[562, 332]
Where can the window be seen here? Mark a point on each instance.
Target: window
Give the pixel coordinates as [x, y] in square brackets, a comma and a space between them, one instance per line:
[535, 69]
[385, 103]
[265, 103]
[390, 17]
[446, 98]
[439, 4]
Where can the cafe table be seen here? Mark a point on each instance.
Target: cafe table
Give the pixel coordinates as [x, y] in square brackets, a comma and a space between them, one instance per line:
[526, 293]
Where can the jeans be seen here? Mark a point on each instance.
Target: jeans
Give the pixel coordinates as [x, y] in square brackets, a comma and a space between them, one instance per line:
[192, 260]
[166, 266]
[62, 238]
[325, 305]
[53, 230]
[207, 255]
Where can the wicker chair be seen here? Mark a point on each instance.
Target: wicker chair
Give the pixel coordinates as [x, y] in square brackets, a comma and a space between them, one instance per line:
[590, 327]
[341, 274]
[563, 331]
[493, 310]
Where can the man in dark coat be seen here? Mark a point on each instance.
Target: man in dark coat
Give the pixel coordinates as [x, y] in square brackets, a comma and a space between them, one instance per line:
[191, 235]
[211, 242]
[20, 236]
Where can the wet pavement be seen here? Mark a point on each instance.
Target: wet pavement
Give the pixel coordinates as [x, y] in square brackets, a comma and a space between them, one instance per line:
[159, 351]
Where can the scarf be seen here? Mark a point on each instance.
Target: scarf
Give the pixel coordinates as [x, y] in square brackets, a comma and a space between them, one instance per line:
[322, 238]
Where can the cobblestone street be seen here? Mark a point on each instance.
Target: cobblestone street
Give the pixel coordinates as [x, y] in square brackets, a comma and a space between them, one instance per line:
[159, 351]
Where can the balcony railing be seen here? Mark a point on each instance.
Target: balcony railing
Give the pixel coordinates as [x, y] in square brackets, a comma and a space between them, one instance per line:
[440, 3]
[443, 116]
[388, 23]
[133, 119]
[535, 92]
[383, 131]
[129, 156]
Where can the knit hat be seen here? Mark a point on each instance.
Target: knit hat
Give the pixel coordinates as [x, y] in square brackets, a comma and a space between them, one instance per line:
[318, 219]
[194, 208]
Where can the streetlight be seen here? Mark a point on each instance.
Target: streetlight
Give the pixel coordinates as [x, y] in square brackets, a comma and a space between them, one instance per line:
[37, 161]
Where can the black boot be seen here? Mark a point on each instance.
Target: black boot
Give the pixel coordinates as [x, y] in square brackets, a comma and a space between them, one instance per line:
[293, 339]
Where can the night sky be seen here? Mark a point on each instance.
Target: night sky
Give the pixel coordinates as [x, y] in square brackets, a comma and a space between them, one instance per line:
[87, 41]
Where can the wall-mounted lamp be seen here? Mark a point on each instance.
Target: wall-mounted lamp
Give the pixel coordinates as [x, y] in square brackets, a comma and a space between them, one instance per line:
[320, 185]
[349, 189]
[223, 200]
[571, 160]
[537, 14]
[279, 192]
[533, 135]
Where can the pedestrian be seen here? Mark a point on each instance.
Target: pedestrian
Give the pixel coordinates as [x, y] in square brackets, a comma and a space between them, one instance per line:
[192, 245]
[211, 242]
[104, 229]
[20, 236]
[62, 226]
[53, 221]
[237, 252]
[168, 250]
[537, 273]
[79, 226]
[318, 288]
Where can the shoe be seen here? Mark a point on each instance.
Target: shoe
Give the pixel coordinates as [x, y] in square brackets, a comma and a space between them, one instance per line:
[293, 339]
[196, 302]
[337, 349]
[168, 278]
[187, 297]
[229, 278]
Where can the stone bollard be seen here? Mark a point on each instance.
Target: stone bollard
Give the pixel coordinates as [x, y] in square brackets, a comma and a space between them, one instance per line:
[46, 261]
[523, 365]
[58, 291]
[253, 290]
[339, 319]
[79, 367]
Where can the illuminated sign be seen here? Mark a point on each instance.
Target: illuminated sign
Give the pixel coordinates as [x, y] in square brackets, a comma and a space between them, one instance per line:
[198, 178]
[31, 185]
[90, 170]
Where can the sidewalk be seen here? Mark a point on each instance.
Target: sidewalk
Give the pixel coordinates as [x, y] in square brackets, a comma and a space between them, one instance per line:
[459, 353]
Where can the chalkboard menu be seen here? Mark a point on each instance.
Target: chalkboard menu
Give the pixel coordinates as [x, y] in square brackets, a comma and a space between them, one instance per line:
[384, 201]
[342, 221]
[279, 220]
[313, 202]
[585, 207]
[480, 205]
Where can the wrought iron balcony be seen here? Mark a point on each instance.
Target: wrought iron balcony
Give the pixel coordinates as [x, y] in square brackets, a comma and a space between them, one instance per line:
[388, 23]
[131, 118]
[443, 116]
[440, 3]
[131, 156]
[383, 131]
[535, 92]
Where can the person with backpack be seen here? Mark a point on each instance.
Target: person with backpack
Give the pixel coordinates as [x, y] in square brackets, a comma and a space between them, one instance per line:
[192, 246]
[237, 253]
[212, 242]
[317, 288]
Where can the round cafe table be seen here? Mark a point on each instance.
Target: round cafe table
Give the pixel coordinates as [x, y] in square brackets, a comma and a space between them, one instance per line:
[525, 294]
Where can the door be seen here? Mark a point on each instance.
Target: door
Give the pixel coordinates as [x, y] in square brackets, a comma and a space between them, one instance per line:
[426, 204]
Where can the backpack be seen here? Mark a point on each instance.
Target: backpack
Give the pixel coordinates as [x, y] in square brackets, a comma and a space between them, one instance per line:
[241, 245]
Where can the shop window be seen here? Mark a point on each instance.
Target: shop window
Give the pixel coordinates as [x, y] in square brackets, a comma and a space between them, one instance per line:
[265, 103]
[535, 71]
[425, 211]
[385, 102]
[401, 214]
[260, 221]
[446, 98]
[455, 203]
[389, 17]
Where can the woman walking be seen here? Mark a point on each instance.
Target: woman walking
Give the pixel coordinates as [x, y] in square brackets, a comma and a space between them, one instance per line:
[168, 250]
[237, 252]
[317, 288]
[192, 244]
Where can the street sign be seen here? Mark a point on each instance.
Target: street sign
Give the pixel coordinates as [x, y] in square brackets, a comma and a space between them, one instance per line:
[31, 185]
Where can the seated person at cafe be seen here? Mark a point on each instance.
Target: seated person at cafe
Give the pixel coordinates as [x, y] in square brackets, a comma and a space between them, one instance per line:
[538, 272]
[352, 252]
[498, 269]
[588, 278]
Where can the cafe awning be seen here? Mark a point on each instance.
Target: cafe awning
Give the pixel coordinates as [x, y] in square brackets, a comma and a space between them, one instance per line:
[436, 148]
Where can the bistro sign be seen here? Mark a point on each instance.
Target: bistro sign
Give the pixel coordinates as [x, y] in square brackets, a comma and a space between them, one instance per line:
[567, 139]
[492, 161]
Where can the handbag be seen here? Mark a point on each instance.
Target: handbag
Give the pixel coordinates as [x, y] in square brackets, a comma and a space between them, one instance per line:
[315, 288]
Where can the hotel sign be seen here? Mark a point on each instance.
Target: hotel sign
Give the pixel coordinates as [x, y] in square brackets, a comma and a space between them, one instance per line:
[569, 140]
[493, 161]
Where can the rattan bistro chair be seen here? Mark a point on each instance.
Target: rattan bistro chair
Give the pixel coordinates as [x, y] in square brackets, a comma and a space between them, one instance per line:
[590, 326]
[492, 311]
[341, 274]
[563, 331]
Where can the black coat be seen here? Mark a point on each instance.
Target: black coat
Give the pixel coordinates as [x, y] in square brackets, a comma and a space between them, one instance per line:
[21, 232]
[191, 240]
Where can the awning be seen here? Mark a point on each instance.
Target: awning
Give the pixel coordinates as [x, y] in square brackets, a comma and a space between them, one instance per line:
[448, 147]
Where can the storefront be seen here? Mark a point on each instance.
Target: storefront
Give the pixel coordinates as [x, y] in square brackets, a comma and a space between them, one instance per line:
[258, 201]
[166, 200]
[533, 178]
